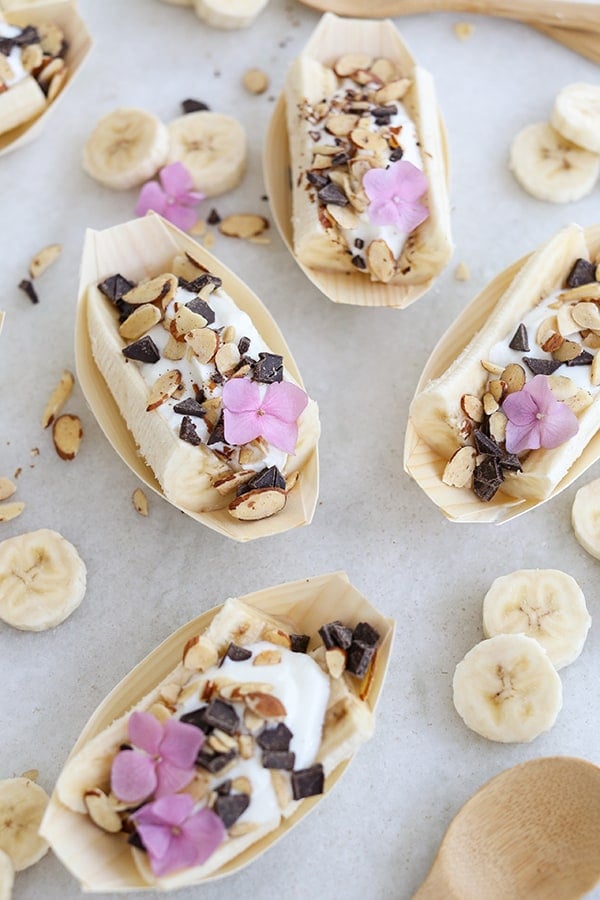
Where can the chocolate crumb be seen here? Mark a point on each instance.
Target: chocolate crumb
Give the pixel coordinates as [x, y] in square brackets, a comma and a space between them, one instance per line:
[520, 339]
[359, 262]
[214, 762]
[190, 105]
[277, 738]
[487, 478]
[299, 643]
[231, 807]
[359, 243]
[308, 782]
[541, 366]
[396, 154]
[143, 350]
[188, 433]
[237, 653]
[190, 407]
[583, 272]
[213, 217]
[243, 345]
[278, 759]
[27, 287]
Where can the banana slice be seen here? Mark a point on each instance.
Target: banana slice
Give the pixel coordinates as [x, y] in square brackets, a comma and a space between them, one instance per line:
[212, 147]
[550, 167]
[126, 148]
[7, 876]
[229, 13]
[20, 103]
[576, 115]
[22, 806]
[544, 604]
[42, 580]
[585, 517]
[506, 689]
[179, 2]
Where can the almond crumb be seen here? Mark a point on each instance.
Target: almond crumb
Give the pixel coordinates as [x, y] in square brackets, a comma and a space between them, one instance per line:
[461, 272]
[140, 502]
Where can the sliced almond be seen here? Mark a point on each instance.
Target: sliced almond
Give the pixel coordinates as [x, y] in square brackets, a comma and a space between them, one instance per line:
[562, 386]
[239, 829]
[101, 811]
[497, 389]
[7, 488]
[255, 81]
[565, 321]
[384, 70]
[242, 785]
[277, 636]
[592, 340]
[231, 482]
[321, 161]
[141, 320]
[10, 511]
[31, 58]
[589, 291]
[246, 745]
[169, 693]
[221, 742]
[67, 434]
[258, 504]
[227, 358]
[6, 72]
[472, 407]
[212, 411]
[368, 140]
[161, 289]
[186, 320]
[140, 502]
[461, 272]
[343, 215]
[251, 721]
[174, 349]
[252, 452]
[587, 315]
[553, 342]
[497, 426]
[514, 378]
[204, 343]
[282, 788]
[546, 327]
[44, 258]
[199, 654]
[291, 481]
[52, 38]
[52, 68]
[380, 261]
[395, 90]
[341, 124]
[199, 787]
[160, 711]
[57, 84]
[490, 404]
[351, 62]
[567, 350]
[163, 388]
[267, 658]
[335, 660]
[491, 367]
[243, 225]
[186, 267]
[228, 334]
[579, 401]
[58, 398]
[460, 467]
[265, 705]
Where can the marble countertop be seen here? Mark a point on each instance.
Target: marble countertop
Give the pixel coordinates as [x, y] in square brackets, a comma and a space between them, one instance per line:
[377, 833]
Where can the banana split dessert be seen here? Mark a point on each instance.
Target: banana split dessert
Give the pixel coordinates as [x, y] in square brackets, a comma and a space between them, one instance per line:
[224, 749]
[32, 71]
[367, 169]
[213, 410]
[520, 403]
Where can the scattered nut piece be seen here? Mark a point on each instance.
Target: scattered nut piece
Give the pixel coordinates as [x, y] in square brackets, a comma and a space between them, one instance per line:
[335, 660]
[163, 388]
[579, 401]
[141, 320]
[199, 654]
[589, 291]
[204, 343]
[31, 58]
[514, 378]
[161, 288]
[267, 658]
[463, 30]
[7, 488]
[101, 811]
[461, 272]
[497, 389]
[343, 215]
[380, 261]
[587, 315]
[265, 705]
[239, 829]
[58, 398]
[198, 788]
[567, 350]
[595, 372]
[45, 257]
[174, 349]
[565, 322]
[497, 426]
[10, 511]
[341, 124]
[460, 467]
[257, 504]
[186, 320]
[291, 481]
[368, 140]
[160, 711]
[472, 407]
[395, 90]
[31, 774]
[252, 721]
[384, 70]
[140, 502]
[490, 404]
[350, 63]
[255, 81]
[282, 787]
[198, 228]
[231, 482]
[246, 745]
[51, 38]
[227, 358]
[67, 434]
[243, 225]
[491, 367]
[277, 636]
[54, 67]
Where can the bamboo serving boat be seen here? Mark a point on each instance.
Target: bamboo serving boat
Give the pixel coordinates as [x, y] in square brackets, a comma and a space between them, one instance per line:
[332, 38]
[65, 15]
[426, 466]
[139, 249]
[100, 861]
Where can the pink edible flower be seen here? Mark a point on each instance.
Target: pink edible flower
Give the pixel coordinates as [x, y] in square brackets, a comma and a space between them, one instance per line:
[173, 198]
[274, 418]
[174, 836]
[536, 418]
[161, 762]
[394, 193]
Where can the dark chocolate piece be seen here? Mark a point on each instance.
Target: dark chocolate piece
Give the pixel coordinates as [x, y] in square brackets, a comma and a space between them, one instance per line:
[125, 309]
[188, 433]
[278, 759]
[237, 653]
[340, 159]
[308, 782]
[198, 718]
[230, 808]
[585, 358]
[511, 462]
[359, 243]
[190, 105]
[277, 738]
[365, 634]
[485, 444]
[379, 111]
[6, 45]
[520, 339]
[222, 715]
[143, 350]
[224, 789]
[27, 287]
[331, 193]
[200, 282]
[334, 634]
[318, 179]
[358, 658]
[217, 435]
[189, 407]
[299, 643]
[201, 308]
[583, 272]
[266, 478]
[359, 262]
[269, 368]
[115, 287]
[135, 840]
[213, 217]
[541, 366]
[243, 345]
[396, 154]
[29, 35]
[487, 478]
[214, 762]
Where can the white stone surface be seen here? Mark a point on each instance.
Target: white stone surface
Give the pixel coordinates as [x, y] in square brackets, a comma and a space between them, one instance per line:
[377, 834]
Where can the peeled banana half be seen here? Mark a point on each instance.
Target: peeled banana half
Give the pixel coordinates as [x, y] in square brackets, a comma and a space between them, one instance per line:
[547, 322]
[243, 681]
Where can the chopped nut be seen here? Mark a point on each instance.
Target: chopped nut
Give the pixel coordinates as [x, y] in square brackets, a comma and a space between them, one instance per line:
[101, 811]
[350, 63]
[163, 388]
[461, 272]
[460, 467]
[589, 291]
[246, 745]
[7, 488]
[160, 711]
[199, 654]
[490, 404]
[174, 349]
[141, 320]
[140, 502]
[243, 225]
[242, 785]
[368, 140]
[204, 343]
[277, 636]
[198, 228]
[198, 788]
[592, 340]
[10, 511]
[170, 692]
[186, 267]
[380, 261]
[239, 829]
[514, 378]
[553, 342]
[595, 371]
[343, 215]
[212, 411]
[54, 67]
[51, 38]
[579, 401]
[228, 334]
[45, 257]
[491, 367]
[282, 787]
[545, 329]
[231, 482]
[255, 81]
[267, 658]
[57, 84]
[341, 124]
[58, 398]
[252, 721]
[67, 434]
[227, 358]
[497, 426]
[497, 389]
[395, 90]
[252, 452]
[162, 288]
[31, 774]
[566, 324]
[31, 58]
[265, 705]
[320, 161]
[220, 741]
[186, 320]
[384, 70]
[587, 315]
[258, 504]
[567, 350]
[463, 30]
[472, 407]
[291, 481]
[335, 660]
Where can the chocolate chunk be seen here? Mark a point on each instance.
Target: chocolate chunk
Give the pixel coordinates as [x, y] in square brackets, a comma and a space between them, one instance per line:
[237, 653]
[308, 782]
[29, 35]
[541, 366]
[365, 634]
[520, 339]
[189, 407]
[222, 715]
[224, 789]
[200, 282]
[190, 105]
[6, 45]
[268, 369]
[266, 478]
[277, 738]
[135, 840]
[213, 217]
[217, 435]
[143, 350]
[584, 359]
[278, 759]
[125, 309]
[359, 243]
[230, 808]
[299, 643]
[243, 345]
[340, 159]
[198, 718]
[396, 154]
[201, 308]
[188, 433]
[315, 135]
[485, 444]
[487, 478]
[379, 111]
[318, 179]
[583, 272]
[214, 762]
[28, 288]
[358, 658]
[359, 262]
[331, 193]
[217, 378]
[199, 394]
[334, 634]
[115, 286]
[511, 462]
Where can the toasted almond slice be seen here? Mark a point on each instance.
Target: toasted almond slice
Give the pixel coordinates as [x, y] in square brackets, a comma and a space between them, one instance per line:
[174, 349]
[395, 90]
[163, 388]
[490, 404]
[58, 398]
[7, 488]
[239, 829]
[472, 407]
[343, 215]
[10, 511]
[228, 334]
[170, 693]
[199, 786]
[231, 482]
[159, 289]
[335, 660]
[491, 367]
[320, 161]
[514, 377]
[251, 721]
[277, 636]
[212, 411]
[497, 389]
[31, 58]
[562, 386]
[567, 350]
[265, 705]
[140, 502]
[589, 291]
[341, 124]
[255, 81]
[282, 788]
[57, 84]
[384, 70]
[185, 320]
[368, 140]
[243, 225]
[351, 62]
[245, 742]
[257, 504]
[267, 658]
[67, 434]
[565, 321]
[497, 426]
[50, 70]
[553, 342]
[51, 38]
[44, 258]
[186, 267]
[460, 467]
[227, 358]
[579, 401]
[141, 320]
[160, 711]
[547, 327]
[595, 371]
[101, 811]
[6, 72]
[592, 340]
[587, 315]
[198, 228]
[204, 343]
[252, 452]
[461, 272]
[242, 785]
[380, 261]
[199, 654]
[291, 481]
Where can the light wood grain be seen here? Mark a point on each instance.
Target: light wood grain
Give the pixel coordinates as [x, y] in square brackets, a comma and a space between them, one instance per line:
[139, 249]
[103, 863]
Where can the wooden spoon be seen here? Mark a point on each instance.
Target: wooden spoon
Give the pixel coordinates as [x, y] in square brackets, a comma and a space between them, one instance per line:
[531, 833]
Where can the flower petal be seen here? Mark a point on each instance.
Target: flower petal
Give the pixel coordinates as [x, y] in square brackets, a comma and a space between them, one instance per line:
[520, 408]
[156, 839]
[522, 437]
[171, 778]
[282, 435]
[152, 197]
[181, 216]
[284, 400]
[410, 214]
[241, 395]
[383, 212]
[539, 390]
[181, 743]
[167, 811]
[377, 184]
[407, 180]
[206, 829]
[145, 732]
[242, 427]
[181, 853]
[175, 179]
[558, 426]
[132, 776]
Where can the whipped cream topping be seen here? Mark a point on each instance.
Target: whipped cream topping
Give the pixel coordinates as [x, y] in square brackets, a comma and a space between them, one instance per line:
[14, 57]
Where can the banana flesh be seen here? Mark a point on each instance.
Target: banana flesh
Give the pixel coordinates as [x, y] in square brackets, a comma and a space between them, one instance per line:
[550, 166]
[7, 876]
[212, 147]
[576, 115]
[22, 806]
[126, 148]
[229, 14]
[585, 517]
[22, 102]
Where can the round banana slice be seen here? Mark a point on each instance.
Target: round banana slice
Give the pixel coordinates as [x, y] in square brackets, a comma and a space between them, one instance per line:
[213, 149]
[576, 115]
[550, 167]
[229, 13]
[545, 604]
[7, 876]
[126, 148]
[179, 2]
[22, 806]
[506, 689]
[42, 580]
[585, 517]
